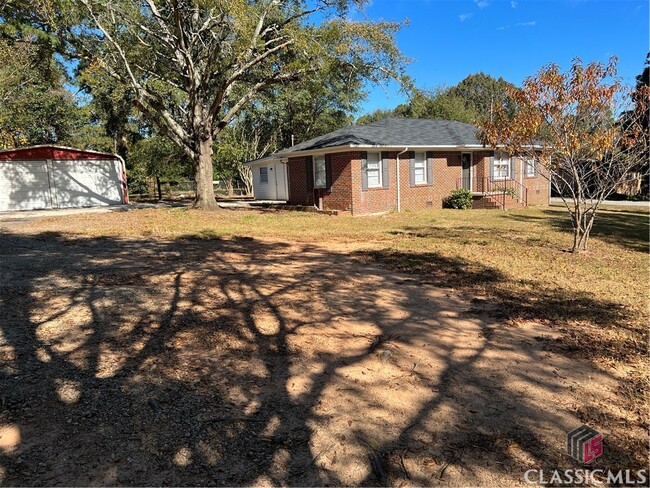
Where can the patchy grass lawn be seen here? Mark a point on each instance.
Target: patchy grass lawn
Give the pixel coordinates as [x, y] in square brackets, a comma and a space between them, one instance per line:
[250, 347]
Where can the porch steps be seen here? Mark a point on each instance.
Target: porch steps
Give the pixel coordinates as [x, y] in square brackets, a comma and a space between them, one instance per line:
[490, 202]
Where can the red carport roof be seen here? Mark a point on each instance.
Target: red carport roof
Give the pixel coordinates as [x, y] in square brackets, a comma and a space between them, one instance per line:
[50, 151]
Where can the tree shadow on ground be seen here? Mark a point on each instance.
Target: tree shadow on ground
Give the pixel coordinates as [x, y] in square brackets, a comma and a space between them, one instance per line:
[516, 301]
[510, 299]
[239, 362]
[627, 228]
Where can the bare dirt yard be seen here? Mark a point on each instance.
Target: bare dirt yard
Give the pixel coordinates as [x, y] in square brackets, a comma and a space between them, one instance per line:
[442, 348]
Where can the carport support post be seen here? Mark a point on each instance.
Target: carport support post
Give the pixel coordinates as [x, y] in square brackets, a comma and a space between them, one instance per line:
[54, 203]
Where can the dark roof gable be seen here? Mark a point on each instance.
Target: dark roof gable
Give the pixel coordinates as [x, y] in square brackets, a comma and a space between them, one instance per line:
[394, 131]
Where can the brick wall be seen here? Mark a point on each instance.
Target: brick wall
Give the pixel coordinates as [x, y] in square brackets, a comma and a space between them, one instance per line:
[538, 188]
[346, 193]
[373, 200]
[340, 195]
[446, 176]
[481, 169]
[298, 193]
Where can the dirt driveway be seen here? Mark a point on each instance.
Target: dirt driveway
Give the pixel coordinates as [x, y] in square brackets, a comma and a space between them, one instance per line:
[242, 362]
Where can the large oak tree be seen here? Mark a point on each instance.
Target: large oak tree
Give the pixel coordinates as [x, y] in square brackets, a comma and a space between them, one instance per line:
[193, 65]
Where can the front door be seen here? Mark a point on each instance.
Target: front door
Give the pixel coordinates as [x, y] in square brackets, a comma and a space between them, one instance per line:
[466, 165]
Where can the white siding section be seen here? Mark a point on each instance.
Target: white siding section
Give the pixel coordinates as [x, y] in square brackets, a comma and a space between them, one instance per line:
[24, 185]
[87, 183]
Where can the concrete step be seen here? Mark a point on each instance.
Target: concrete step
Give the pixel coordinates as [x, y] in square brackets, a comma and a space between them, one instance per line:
[497, 201]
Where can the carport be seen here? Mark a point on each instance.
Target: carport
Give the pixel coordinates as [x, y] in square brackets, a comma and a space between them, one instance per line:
[40, 177]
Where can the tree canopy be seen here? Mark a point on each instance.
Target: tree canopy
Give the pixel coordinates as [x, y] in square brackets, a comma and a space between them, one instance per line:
[35, 106]
[582, 128]
[481, 92]
[468, 101]
[111, 106]
[193, 66]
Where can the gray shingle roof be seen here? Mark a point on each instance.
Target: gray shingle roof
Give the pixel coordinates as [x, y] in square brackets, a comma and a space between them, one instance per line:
[393, 132]
[266, 159]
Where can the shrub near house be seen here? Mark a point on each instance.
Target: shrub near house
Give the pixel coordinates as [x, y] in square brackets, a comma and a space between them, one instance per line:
[459, 199]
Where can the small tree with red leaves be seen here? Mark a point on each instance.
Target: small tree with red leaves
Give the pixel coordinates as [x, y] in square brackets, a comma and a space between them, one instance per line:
[582, 128]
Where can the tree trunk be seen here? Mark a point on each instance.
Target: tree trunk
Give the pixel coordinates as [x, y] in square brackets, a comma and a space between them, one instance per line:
[587, 224]
[578, 240]
[246, 175]
[205, 198]
[159, 188]
[583, 221]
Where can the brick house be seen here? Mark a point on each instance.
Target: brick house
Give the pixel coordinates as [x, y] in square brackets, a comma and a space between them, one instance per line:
[355, 169]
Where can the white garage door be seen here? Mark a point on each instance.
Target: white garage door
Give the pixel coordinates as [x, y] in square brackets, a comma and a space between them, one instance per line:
[24, 185]
[87, 183]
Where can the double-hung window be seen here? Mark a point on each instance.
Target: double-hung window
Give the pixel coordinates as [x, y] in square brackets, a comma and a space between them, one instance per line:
[501, 168]
[529, 168]
[320, 172]
[420, 168]
[264, 174]
[373, 169]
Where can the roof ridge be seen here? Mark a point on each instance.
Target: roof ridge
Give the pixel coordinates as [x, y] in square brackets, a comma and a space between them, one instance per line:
[393, 131]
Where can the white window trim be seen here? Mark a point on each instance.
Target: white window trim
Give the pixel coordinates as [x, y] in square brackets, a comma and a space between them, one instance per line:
[425, 168]
[501, 159]
[380, 179]
[316, 158]
[262, 182]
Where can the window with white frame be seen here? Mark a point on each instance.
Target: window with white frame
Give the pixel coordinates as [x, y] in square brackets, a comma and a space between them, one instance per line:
[373, 169]
[320, 172]
[529, 168]
[264, 174]
[501, 167]
[420, 168]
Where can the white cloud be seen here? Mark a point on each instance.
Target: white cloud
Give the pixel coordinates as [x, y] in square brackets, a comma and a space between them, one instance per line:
[513, 3]
[532, 23]
[481, 3]
[464, 17]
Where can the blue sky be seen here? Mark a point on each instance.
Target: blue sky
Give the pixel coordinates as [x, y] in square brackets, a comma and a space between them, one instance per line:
[450, 39]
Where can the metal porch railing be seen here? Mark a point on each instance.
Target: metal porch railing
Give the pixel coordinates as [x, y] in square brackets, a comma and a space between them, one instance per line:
[496, 189]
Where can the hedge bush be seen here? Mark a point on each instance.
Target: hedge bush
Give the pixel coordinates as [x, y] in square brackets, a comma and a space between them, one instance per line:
[461, 199]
